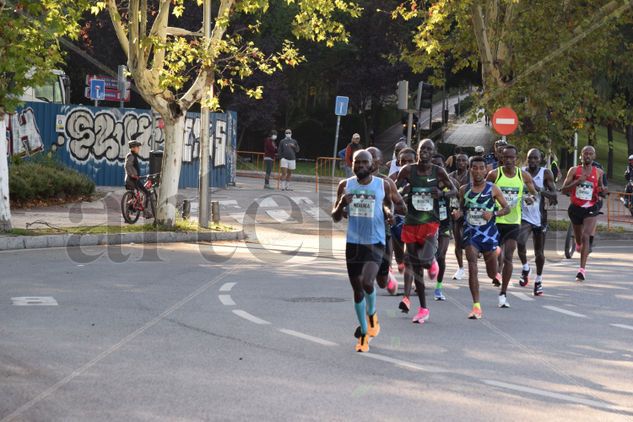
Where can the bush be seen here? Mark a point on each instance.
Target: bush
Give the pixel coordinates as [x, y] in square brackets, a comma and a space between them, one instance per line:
[46, 179]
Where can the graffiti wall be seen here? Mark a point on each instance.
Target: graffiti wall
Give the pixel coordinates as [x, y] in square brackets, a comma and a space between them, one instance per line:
[93, 140]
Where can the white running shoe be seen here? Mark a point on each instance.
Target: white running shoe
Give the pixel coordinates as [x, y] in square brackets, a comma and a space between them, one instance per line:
[459, 274]
[503, 301]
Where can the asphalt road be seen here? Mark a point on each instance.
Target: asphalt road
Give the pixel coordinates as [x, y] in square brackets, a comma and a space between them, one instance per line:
[263, 329]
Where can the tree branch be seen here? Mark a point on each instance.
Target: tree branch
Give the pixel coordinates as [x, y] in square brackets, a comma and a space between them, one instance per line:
[159, 29]
[119, 29]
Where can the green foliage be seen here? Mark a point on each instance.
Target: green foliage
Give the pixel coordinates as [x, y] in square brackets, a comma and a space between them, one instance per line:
[29, 33]
[45, 179]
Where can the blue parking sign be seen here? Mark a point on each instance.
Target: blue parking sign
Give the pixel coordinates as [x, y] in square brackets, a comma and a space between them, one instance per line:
[97, 89]
[340, 109]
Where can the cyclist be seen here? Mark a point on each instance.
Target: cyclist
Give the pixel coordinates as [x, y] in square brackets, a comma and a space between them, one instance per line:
[133, 175]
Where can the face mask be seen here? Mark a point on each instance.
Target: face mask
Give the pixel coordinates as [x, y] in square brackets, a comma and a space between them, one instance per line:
[288, 135]
[274, 137]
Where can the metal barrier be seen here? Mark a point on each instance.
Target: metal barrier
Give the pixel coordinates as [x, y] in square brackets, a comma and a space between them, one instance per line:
[256, 158]
[619, 208]
[324, 168]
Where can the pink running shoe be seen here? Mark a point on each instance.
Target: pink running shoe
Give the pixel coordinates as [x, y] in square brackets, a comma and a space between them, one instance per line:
[392, 285]
[581, 275]
[434, 270]
[422, 316]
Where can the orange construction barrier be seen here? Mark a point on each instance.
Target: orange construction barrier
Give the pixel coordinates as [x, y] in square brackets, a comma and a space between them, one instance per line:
[619, 208]
[324, 167]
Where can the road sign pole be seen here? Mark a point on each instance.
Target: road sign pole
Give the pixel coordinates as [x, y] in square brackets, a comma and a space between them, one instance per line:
[338, 125]
[575, 149]
[205, 136]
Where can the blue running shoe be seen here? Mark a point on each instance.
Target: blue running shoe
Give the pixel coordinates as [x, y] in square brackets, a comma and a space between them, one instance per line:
[439, 295]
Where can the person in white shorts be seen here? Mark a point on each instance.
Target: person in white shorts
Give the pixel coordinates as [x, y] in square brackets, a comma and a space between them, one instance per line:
[287, 149]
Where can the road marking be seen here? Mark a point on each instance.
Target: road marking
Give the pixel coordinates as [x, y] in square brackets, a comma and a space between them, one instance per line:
[226, 287]
[550, 394]
[302, 200]
[237, 216]
[267, 202]
[564, 311]
[522, 296]
[252, 318]
[317, 213]
[59, 384]
[308, 337]
[626, 327]
[34, 301]
[401, 363]
[226, 300]
[229, 203]
[280, 216]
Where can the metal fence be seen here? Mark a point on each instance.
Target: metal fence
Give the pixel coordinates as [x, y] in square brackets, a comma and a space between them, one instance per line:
[619, 208]
[324, 168]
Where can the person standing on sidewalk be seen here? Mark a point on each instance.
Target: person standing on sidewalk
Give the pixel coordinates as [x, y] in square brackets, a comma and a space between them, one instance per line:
[350, 149]
[477, 207]
[422, 222]
[288, 149]
[367, 201]
[270, 152]
[585, 184]
[461, 175]
[511, 181]
[534, 219]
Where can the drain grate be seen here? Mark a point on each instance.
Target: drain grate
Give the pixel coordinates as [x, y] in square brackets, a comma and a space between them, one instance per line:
[315, 299]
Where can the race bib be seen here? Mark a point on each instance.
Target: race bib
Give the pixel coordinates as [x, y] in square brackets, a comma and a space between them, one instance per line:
[511, 195]
[363, 204]
[584, 191]
[421, 199]
[443, 212]
[454, 203]
[475, 217]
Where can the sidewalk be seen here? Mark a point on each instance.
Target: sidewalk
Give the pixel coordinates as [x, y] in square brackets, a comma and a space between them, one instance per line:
[471, 135]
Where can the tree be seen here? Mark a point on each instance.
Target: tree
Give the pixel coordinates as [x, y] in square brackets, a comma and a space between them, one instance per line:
[537, 57]
[174, 67]
[29, 34]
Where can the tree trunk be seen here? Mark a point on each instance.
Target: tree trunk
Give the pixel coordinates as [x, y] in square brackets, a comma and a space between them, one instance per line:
[629, 138]
[5, 205]
[172, 161]
[610, 156]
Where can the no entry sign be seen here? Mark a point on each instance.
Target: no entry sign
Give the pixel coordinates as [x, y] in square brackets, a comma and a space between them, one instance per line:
[505, 121]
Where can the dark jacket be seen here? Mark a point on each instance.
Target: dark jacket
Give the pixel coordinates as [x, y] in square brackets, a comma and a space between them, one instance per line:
[270, 149]
[132, 169]
[288, 149]
[628, 173]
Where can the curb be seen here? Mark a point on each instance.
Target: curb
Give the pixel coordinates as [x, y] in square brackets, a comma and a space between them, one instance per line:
[73, 240]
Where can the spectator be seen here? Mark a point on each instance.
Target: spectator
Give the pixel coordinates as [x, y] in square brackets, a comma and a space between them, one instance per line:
[270, 151]
[351, 148]
[288, 149]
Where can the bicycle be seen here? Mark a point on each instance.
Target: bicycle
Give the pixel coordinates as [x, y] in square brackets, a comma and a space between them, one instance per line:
[133, 200]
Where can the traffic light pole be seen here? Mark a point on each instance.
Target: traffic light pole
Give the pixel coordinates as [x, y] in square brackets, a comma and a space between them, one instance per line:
[205, 140]
[409, 128]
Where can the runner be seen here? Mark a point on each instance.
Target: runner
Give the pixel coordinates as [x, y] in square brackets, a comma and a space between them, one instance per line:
[419, 232]
[444, 232]
[584, 182]
[477, 204]
[534, 219]
[394, 164]
[461, 175]
[494, 158]
[510, 180]
[406, 156]
[367, 200]
[385, 277]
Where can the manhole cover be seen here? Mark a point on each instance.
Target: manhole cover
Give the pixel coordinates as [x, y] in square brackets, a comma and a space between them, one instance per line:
[315, 299]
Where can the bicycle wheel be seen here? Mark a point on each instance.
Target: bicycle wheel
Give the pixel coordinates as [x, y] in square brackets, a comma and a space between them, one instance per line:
[129, 211]
[570, 243]
[153, 201]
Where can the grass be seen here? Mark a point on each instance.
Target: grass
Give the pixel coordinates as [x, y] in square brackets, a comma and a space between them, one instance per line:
[186, 226]
[620, 151]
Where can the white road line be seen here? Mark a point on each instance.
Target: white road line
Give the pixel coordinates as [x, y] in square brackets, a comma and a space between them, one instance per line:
[267, 202]
[252, 318]
[626, 327]
[302, 200]
[226, 300]
[279, 216]
[550, 394]
[34, 301]
[226, 287]
[229, 203]
[522, 296]
[317, 213]
[401, 363]
[307, 337]
[564, 311]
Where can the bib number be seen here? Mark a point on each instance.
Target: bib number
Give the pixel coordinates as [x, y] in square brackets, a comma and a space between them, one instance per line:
[511, 196]
[443, 212]
[584, 191]
[363, 204]
[422, 200]
[475, 217]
